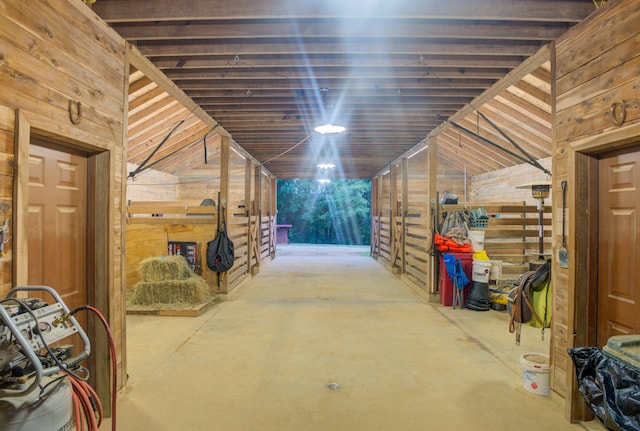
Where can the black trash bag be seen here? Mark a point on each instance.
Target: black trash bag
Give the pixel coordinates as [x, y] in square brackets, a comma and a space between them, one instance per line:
[610, 387]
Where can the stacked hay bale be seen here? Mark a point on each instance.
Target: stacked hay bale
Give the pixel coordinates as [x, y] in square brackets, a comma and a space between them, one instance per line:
[168, 280]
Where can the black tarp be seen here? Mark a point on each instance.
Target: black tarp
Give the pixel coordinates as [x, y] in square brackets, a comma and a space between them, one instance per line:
[609, 386]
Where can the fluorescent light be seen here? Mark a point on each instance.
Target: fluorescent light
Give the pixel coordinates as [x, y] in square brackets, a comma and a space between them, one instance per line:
[329, 129]
[326, 165]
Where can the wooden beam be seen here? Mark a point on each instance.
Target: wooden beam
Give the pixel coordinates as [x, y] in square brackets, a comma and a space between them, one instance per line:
[255, 94]
[223, 279]
[298, 71]
[512, 78]
[361, 84]
[363, 27]
[356, 46]
[141, 63]
[165, 10]
[366, 60]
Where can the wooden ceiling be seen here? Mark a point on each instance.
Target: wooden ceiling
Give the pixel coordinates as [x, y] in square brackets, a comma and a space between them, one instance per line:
[391, 72]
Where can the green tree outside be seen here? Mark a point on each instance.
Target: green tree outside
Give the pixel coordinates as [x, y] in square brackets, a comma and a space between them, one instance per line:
[334, 213]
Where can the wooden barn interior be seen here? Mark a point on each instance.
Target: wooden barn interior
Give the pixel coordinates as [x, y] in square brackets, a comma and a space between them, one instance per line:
[145, 109]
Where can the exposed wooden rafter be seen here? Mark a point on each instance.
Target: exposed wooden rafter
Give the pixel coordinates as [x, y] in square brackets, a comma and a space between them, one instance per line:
[268, 71]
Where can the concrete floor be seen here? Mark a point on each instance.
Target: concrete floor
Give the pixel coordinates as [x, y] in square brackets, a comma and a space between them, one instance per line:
[325, 338]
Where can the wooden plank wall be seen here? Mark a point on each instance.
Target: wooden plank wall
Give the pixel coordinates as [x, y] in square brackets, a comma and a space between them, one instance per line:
[152, 185]
[238, 219]
[178, 223]
[383, 218]
[403, 217]
[148, 236]
[500, 185]
[267, 215]
[511, 235]
[201, 182]
[7, 121]
[54, 54]
[452, 180]
[596, 68]
[417, 223]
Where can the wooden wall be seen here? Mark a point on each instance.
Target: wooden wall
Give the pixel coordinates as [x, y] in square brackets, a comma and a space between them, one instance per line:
[403, 217]
[200, 182]
[7, 121]
[512, 233]
[54, 54]
[249, 217]
[148, 236]
[152, 185]
[596, 66]
[267, 208]
[500, 185]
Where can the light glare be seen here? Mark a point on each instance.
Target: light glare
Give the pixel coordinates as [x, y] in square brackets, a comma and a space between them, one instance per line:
[329, 129]
[326, 166]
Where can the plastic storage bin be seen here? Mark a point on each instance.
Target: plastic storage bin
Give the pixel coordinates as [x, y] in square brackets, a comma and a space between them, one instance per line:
[446, 285]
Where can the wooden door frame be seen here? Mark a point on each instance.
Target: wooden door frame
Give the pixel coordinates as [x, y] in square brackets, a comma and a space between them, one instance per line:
[98, 222]
[583, 278]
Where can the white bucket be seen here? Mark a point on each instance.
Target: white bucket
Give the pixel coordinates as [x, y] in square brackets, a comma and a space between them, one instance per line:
[477, 239]
[481, 270]
[496, 269]
[535, 373]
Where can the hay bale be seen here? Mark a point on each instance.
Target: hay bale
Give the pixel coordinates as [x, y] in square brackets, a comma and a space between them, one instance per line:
[161, 268]
[192, 290]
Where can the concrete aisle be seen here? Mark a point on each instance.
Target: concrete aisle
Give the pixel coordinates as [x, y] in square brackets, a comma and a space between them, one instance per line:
[325, 338]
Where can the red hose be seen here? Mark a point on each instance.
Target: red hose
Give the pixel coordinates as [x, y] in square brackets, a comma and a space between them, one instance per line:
[114, 365]
[83, 393]
[85, 410]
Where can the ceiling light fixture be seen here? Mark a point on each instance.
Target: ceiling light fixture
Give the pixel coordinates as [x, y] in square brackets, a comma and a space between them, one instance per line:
[326, 165]
[329, 129]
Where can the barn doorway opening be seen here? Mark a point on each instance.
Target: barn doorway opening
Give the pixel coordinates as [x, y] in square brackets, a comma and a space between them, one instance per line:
[325, 212]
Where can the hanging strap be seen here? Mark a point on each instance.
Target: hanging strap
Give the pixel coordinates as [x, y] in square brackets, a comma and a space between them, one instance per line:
[521, 299]
[223, 225]
[531, 161]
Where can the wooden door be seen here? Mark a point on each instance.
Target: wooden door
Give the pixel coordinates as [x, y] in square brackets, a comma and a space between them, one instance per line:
[57, 220]
[618, 245]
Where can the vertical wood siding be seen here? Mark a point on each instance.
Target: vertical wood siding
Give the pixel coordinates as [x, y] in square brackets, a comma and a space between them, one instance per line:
[597, 66]
[54, 53]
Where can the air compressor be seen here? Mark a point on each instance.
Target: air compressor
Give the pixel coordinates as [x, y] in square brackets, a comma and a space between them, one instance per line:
[35, 393]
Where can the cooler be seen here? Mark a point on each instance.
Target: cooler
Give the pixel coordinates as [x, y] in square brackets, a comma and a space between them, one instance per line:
[625, 348]
[446, 285]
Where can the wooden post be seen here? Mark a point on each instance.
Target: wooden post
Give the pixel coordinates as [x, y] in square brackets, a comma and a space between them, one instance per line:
[256, 220]
[380, 209]
[225, 142]
[393, 196]
[432, 170]
[404, 211]
[273, 209]
[248, 177]
[374, 213]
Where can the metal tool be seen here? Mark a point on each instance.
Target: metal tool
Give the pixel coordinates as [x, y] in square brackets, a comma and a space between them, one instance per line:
[563, 253]
[3, 236]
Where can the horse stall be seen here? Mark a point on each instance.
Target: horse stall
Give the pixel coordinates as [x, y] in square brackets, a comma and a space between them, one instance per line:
[403, 217]
[179, 214]
[157, 229]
